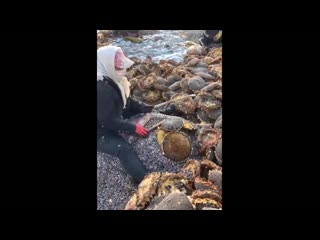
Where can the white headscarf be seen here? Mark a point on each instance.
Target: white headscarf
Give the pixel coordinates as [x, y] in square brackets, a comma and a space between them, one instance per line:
[106, 67]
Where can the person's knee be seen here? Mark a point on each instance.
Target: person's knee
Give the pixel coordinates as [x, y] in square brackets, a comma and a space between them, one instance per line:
[113, 146]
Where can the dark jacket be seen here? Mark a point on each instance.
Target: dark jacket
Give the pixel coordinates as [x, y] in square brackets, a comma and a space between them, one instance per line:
[208, 38]
[110, 109]
[210, 33]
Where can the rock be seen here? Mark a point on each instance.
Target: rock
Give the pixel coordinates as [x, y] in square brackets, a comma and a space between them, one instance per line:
[205, 76]
[103, 35]
[216, 178]
[172, 79]
[133, 39]
[218, 122]
[200, 203]
[136, 60]
[218, 153]
[124, 33]
[175, 86]
[193, 62]
[175, 201]
[148, 60]
[202, 64]
[155, 202]
[201, 184]
[148, 32]
[189, 43]
[199, 69]
[196, 83]
[194, 50]
[210, 208]
[206, 194]
[192, 35]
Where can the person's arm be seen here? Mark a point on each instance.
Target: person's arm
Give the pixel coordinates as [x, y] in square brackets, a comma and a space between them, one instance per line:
[137, 106]
[121, 125]
[109, 117]
[125, 126]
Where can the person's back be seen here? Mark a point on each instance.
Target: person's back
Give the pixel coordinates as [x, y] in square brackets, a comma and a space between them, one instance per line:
[108, 107]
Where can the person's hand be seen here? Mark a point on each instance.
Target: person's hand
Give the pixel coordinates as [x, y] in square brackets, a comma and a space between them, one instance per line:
[146, 108]
[141, 131]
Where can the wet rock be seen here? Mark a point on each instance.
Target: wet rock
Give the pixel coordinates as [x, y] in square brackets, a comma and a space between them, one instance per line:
[210, 208]
[216, 178]
[218, 153]
[201, 184]
[155, 202]
[199, 69]
[196, 83]
[148, 32]
[202, 64]
[175, 201]
[192, 35]
[189, 43]
[196, 50]
[172, 79]
[206, 194]
[133, 39]
[193, 62]
[124, 33]
[218, 122]
[205, 76]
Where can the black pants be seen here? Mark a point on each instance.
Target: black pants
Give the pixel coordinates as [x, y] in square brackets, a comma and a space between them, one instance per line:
[115, 145]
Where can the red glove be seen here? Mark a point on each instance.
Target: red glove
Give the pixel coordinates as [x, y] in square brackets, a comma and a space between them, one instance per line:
[141, 131]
